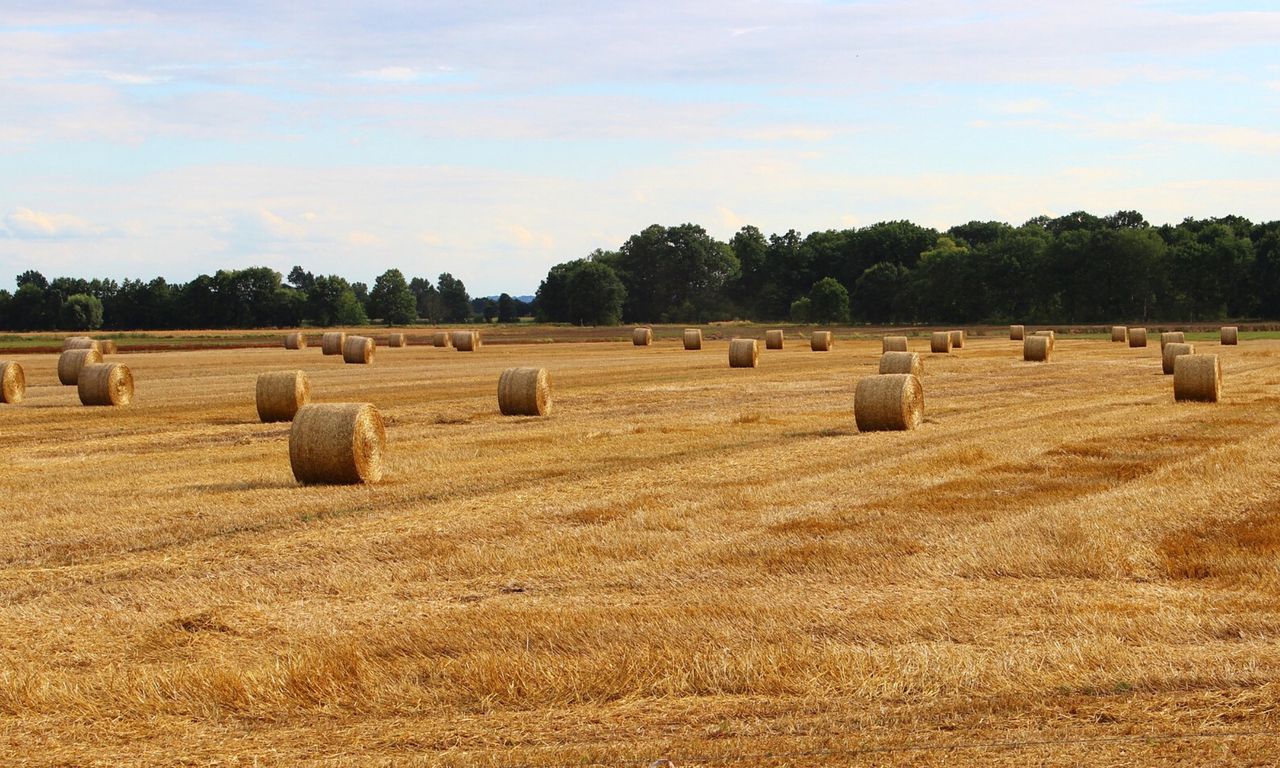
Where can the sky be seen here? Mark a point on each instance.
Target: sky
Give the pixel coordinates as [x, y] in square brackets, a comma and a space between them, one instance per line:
[493, 140]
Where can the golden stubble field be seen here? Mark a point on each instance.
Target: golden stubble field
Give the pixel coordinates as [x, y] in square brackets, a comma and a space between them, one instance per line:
[1062, 566]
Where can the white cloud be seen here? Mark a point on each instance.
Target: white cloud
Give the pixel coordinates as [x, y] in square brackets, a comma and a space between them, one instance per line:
[24, 223]
[390, 74]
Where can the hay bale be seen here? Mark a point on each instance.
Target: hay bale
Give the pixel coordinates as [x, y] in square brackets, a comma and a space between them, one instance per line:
[13, 382]
[524, 392]
[1016, 332]
[1172, 337]
[1171, 351]
[465, 341]
[898, 361]
[1197, 377]
[440, 339]
[1137, 337]
[337, 444]
[107, 346]
[1050, 335]
[889, 402]
[358, 349]
[893, 344]
[1229, 335]
[280, 394]
[693, 338]
[80, 342]
[773, 339]
[396, 340]
[743, 353]
[105, 384]
[332, 342]
[940, 342]
[957, 339]
[642, 337]
[1037, 348]
[295, 341]
[71, 361]
[1119, 333]
[822, 341]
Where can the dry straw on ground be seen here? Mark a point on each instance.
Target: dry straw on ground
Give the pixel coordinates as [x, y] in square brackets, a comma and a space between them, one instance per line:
[893, 401]
[1119, 333]
[957, 339]
[693, 338]
[1197, 377]
[396, 340]
[1016, 332]
[1171, 351]
[1172, 337]
[331, 343]
[773, 339]
[337, 444]
[524, 392]
[440, 339]
[940, 342]
[280, 394]
[13, 382]
[1037, 349]
[743, 353]
[893, 344]
[895, 361]
[642, 337]
[1229, 335]
[295, 341]
[1137, 337]
[358, 349]
[71, 361]
[105, 384]
[465, 341]
[822, 341]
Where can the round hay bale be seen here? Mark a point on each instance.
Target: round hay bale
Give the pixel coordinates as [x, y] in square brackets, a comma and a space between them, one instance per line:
[71, 361]
[465, 341]
[396, 340]
[693, 338]
[1119, 333]
[13, 382]
[1197, 377]
[332, 342]
[337, 444]
[889, 402]
[1229, 335]
[1172, 337]
[822, 341]
[105, 384]
[295, 341]
[642, 337]
[1037, 348]
[440, 339]
[358, 350]
[1016, 332]
[957, 339]
[281, 393]
[80, 342]
[107, 346]
[1050, 335]
[1137, 337]
[940, 342]
[743, 353]
[524, 392]
[773, 339]
[897, 361]
[1171, 351]
[893, 344]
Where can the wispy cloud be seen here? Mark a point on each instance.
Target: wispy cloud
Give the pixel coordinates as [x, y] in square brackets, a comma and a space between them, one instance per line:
[24, 223]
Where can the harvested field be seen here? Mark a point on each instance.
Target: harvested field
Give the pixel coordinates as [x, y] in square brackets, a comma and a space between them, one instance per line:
[681, 561]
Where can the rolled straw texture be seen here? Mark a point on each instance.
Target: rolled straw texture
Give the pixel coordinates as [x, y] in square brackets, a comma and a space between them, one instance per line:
[280, 394]
[940, 342]
[1170, 352]
[1137, 337]
[105, 384]
[71, 361]
[895, 361]
[743, 353]
[1197, 377]
[1229, 335]
[822, 341]
[693, 338]
[773, 339]
[893, 401]
[331, 343]
[13, 382]
[358, 349]
[524, 392]
[893, 344]
[337, 444]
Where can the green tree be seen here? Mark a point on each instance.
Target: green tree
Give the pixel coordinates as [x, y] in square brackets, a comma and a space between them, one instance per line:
[828, 302]
[801, 310]
[349, 310]
[878, 295]
[391, 299]
[674, 273]
[507, 309]
[596, 294]
[81, 312]
[455, 304]
[751, 249]
[27, 309]
[427, 298]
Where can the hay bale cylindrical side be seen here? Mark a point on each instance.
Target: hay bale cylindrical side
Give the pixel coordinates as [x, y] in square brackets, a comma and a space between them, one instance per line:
[105, 384]
[295, 341]
[332, 342]
[280, 394]
[107, 346]
[1119, 333]
[893, 401]
[893, 344]
[642, 337]
[897, 361]
[1197, 377]
[358, 350]
[71, 361]
[396, 340]
[940, 342]
[1229, 335]
[822, 341]
[1171, 351]
[13, 382]
[1037, 348]
[524, 392]
[465, 341]
[1137, 337]
[80, 342]
[1172, 337]
[440, 339]
[957, 339]
[743, 353]
[1016, 332]
[693, 338]
[337, 444]
[773, 339]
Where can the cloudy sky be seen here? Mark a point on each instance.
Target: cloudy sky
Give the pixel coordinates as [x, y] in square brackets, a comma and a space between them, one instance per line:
[494, 139]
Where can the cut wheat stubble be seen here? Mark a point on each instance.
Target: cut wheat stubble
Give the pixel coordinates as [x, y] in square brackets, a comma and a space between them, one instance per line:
[337, 444]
